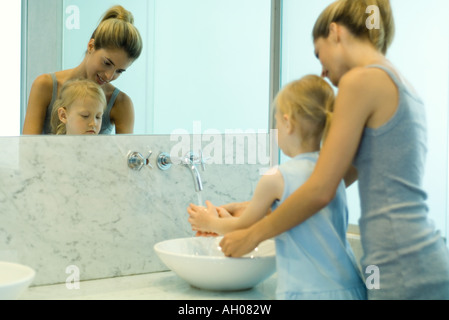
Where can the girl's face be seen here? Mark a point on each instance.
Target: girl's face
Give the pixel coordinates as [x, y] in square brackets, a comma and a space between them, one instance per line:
[282, 130]
[84, 116]
[106, 65]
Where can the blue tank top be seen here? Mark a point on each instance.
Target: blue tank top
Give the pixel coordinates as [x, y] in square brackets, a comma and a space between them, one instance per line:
[106, 126]
[314, 259]
[397, 237]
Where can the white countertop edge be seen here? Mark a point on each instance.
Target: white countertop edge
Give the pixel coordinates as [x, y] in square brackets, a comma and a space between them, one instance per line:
[152, 286]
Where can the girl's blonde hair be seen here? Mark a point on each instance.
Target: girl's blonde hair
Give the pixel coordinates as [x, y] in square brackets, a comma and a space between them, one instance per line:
[71, 91]
[352, 14]
[311, 99]
[117, 31]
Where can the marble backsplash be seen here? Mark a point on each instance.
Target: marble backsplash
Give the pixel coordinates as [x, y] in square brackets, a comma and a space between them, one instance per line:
[72, 201]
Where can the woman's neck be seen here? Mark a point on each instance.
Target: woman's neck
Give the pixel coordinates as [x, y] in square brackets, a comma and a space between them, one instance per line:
[79, 71]
[362, 54]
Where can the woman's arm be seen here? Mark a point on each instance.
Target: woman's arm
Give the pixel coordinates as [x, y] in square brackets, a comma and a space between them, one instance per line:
[122, 114]
[38, 102]
[269, 189]
[353, 107]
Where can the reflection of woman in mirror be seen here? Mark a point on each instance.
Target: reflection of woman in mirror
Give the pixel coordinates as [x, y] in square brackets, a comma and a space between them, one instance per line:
[114, 46]
[79, 108]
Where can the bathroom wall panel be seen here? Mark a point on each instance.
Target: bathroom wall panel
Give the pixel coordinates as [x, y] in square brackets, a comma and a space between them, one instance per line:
[73, 201]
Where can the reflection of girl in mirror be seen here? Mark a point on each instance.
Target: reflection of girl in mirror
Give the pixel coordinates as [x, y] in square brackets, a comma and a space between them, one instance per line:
[79, 108]
[114, 46]
[379, 127]
[314, 260]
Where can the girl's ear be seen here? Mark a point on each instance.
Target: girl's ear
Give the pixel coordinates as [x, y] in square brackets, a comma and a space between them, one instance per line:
[62, 114]
[288, 123]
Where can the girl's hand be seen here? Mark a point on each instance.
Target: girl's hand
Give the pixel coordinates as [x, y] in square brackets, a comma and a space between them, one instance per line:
[200, 217]
[206, 234]
[235, 209]
[222, 213]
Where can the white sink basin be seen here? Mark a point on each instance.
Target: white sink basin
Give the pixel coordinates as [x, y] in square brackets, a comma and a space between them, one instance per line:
[14, 280]
[200, 262]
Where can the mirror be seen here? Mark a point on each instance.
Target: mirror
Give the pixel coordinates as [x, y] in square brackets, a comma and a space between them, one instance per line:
[205, 64]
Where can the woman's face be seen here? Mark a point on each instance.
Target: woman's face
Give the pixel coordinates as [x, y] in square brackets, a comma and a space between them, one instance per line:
[329, 54]
[106, 65]
[83, 116]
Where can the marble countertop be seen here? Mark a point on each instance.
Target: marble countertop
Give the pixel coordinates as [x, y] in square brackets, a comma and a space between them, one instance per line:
[152, 286]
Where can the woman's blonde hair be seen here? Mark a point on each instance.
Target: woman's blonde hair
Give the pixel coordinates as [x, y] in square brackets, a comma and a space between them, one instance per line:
[311, 99]
[71, 91]
[353, 15]
[117, 31]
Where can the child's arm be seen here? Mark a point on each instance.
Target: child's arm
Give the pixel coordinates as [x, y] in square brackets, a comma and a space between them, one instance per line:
[235, 209]
[269, 188]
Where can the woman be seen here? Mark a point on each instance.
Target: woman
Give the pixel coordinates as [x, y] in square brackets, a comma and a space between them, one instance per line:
[379, 127]
[114, 46]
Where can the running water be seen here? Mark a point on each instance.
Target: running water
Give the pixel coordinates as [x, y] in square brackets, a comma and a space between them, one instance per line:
[200, 198]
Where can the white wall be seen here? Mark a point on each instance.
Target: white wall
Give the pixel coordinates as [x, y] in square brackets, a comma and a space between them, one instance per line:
[212, 64]
[10, 55]
[421, 53]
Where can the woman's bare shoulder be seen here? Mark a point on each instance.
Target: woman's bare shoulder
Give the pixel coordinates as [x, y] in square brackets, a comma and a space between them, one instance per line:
[365, 79]
[41, 90]
[124, 99]
[44, 81]
[123, 104]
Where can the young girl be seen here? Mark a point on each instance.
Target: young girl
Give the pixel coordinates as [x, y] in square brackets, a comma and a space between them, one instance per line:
[114, 46]
[314, 260]
[379, 126]
[79, 109]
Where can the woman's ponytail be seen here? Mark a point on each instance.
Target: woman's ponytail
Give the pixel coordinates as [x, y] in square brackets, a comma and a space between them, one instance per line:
[355, 15]
[117, 31]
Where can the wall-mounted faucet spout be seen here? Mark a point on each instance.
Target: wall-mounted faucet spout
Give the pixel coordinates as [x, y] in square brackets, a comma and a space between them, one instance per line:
[190, 160]
[196, 178]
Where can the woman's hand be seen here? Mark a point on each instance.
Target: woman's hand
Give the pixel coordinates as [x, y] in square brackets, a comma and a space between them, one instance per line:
[238, 243]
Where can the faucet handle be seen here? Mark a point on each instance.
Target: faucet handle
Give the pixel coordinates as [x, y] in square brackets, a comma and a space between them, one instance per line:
[203, 160]
[147, 160]
[192, 158]
[136, 161]
[164, 161]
